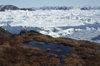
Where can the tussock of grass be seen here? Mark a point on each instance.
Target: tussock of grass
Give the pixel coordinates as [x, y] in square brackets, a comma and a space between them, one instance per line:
[12, 53]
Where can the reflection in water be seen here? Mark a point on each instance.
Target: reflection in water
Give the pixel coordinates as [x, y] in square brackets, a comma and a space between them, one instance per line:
[53, 48]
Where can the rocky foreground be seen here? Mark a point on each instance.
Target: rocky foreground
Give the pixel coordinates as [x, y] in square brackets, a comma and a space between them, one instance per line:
[13, 53]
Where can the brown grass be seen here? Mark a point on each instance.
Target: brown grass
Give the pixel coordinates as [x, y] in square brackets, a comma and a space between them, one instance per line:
[12, 53]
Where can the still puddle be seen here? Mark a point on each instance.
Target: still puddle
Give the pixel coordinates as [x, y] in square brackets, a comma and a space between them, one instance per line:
[62, 50]
[53, 47]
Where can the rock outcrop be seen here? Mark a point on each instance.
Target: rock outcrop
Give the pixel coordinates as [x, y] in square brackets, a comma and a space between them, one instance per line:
[4, 32]
[8, 7]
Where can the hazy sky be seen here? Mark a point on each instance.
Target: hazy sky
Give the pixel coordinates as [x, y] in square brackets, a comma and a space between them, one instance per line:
[40, 3]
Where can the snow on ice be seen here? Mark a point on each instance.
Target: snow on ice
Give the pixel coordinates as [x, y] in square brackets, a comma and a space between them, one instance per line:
[75, 23]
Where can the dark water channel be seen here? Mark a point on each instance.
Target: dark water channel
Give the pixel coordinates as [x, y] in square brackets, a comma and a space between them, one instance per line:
[53, 48]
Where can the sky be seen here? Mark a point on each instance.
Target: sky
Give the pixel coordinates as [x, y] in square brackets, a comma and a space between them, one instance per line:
[41, 3]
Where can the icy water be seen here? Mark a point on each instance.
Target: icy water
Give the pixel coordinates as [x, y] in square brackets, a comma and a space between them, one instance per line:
[53, 47]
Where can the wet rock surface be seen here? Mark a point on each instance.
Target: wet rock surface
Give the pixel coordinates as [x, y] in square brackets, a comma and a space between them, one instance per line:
[13, 53]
